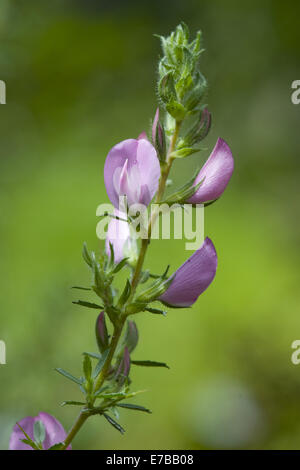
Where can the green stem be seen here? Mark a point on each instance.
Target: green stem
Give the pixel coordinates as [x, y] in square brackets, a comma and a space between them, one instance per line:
[135, 280]
[160, 192]
[75, 428]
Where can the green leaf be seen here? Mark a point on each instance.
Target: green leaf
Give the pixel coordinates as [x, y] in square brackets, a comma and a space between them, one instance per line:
[100, 364]
[30, 443]
[83, 303]
[93, 355]
[58, 446]
[130, 406]
[86, 256]
[125, 294]
[81, 288]
[114, 423]
[71, 402]
[87, 367]
[150, 364]
[28, 439]
[39, 432]
[120, 265]
[156, 311]
[112, 254]
[68, 375]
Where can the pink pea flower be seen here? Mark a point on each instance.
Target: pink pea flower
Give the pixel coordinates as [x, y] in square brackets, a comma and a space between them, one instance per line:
[216, 172]
[55, 432]
[132, 169]
[193, 277]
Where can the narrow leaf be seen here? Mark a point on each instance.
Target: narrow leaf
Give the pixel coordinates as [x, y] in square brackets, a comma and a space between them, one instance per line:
[114, 423]
[68, 375]
[93, 355]
[100, 364]
[120, 265]
[81, 288]
[83, 303]
[130, 406]
[156, 311]
[70, 402]
[87, 367]
[150, 364]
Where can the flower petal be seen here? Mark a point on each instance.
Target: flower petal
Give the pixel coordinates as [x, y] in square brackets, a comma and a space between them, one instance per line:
[141, 170]
[118, 234]
[55, 432]
[216, 172]
[193, 277]
[16, 435]
[149, 170]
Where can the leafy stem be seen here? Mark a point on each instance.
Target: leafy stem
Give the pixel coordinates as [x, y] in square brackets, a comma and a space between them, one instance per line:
[118, 326]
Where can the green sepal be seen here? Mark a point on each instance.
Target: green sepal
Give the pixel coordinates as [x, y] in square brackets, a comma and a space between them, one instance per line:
[184, 152]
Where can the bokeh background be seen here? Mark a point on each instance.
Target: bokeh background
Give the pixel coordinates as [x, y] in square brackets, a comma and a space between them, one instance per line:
[81, 77]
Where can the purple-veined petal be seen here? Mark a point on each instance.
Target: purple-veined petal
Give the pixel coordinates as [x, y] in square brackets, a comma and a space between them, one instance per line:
[193, 277]
[55, 432]
[216, 173]
[132, 168]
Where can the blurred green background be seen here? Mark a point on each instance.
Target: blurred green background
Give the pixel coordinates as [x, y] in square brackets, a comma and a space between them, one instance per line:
[81, 77]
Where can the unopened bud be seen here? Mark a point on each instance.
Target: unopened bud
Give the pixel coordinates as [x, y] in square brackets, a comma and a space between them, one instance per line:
[101, 333]
[159, 137]
[131, 336]
[200, 130]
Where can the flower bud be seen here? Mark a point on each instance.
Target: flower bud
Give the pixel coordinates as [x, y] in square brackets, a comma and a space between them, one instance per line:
[131, 336]
[200, 130]
[159, 137]
[101, 333]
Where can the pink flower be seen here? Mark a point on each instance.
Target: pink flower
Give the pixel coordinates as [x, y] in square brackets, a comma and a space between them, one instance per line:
[132, 169]
[55, 432]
